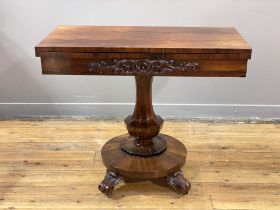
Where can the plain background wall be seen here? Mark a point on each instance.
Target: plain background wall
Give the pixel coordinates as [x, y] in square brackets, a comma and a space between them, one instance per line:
[25, 91]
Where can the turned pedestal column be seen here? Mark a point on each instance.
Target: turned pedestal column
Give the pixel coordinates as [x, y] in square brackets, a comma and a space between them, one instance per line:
[143, 125]
[144, 153]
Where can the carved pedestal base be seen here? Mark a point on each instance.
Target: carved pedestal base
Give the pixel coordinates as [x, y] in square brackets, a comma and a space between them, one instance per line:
[177, 181]
[157, 146]
[144, 153]
[121, 165]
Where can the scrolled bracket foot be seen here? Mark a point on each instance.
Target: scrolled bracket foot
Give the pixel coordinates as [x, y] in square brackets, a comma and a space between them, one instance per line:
[110, 181]
[179, 183]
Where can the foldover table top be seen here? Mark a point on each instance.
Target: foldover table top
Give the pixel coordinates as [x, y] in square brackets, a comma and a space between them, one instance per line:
[138, 50]
[144, 39]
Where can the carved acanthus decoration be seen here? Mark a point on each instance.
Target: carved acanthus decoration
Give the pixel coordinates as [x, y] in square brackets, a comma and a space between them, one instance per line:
[179, 182]
[142, 66]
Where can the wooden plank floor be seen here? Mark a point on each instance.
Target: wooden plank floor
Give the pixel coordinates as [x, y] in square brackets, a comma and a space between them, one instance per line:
[56, 164]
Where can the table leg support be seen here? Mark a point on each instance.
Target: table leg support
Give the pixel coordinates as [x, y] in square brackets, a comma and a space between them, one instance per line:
[110, 181]
[179, 183]
[144, 153]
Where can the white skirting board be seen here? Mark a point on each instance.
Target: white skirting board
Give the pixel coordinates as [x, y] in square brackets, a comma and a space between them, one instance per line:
[116, 110]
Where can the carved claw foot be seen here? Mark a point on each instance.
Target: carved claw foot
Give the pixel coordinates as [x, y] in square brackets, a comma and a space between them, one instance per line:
[110, 181]
[179, 182]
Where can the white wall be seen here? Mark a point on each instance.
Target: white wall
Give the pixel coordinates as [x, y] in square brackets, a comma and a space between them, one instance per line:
[25, 91]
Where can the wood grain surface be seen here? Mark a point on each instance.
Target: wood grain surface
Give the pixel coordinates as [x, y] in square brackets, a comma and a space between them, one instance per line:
[148, 51]
[143, 39]
[56, 164]
[158, 166]
[207, 68]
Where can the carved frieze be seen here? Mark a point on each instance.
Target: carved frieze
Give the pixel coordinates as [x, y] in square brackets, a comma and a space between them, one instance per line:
[142, 66]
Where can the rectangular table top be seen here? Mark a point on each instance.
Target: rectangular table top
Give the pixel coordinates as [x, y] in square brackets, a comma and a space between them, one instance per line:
[139, 39]
[148, 51]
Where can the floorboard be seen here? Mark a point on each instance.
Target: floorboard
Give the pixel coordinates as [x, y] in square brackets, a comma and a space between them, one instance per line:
[56, 164]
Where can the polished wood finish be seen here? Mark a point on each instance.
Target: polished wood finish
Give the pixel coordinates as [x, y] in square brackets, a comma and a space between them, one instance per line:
[218, 52]
[131, 166]
[143, 39]
[168, 56]
[143, 123]
[110, 181]
[144, 148]
[144, 52]
[56, 164]
[121, 164]
[179, 182]
[206, 68]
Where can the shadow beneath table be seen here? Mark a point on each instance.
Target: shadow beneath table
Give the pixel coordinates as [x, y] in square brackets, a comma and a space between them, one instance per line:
[133, 187]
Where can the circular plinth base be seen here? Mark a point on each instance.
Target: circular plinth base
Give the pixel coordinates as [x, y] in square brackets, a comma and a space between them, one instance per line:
[168, 162]
[132, 146]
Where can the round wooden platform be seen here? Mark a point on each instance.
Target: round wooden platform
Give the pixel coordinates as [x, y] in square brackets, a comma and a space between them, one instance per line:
[162, 165]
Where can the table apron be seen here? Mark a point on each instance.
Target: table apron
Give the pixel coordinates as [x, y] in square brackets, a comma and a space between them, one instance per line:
[145, 67]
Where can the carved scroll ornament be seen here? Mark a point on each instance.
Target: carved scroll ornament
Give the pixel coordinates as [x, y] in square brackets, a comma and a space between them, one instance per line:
[142, 66]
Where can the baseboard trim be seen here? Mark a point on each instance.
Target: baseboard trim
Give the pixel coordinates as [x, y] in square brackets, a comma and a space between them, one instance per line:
[108, 110]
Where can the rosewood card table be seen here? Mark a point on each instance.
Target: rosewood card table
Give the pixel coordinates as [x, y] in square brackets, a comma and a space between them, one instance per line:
[144, 52]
